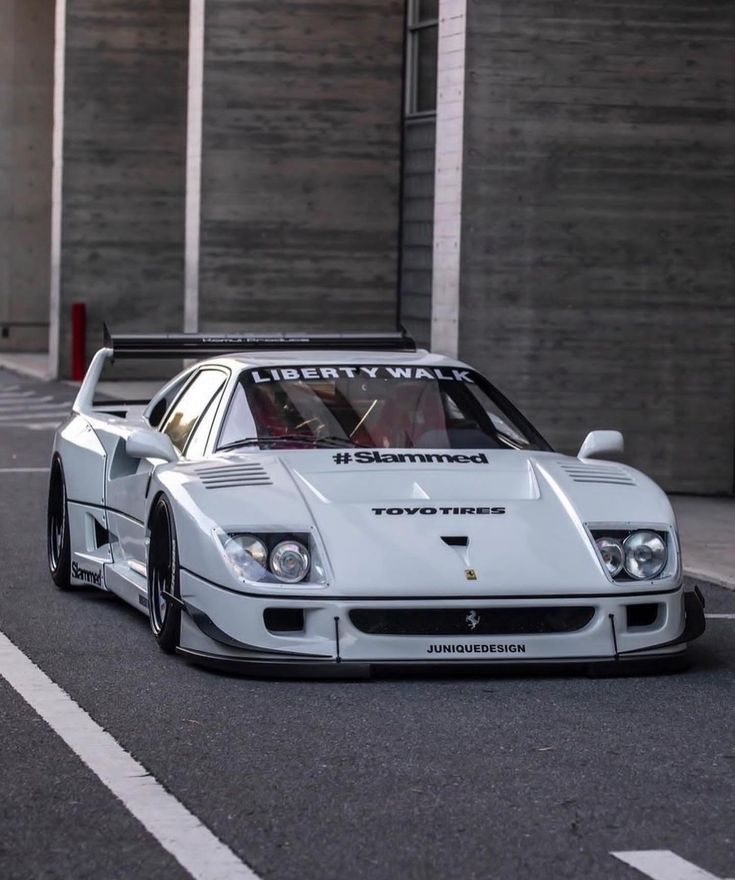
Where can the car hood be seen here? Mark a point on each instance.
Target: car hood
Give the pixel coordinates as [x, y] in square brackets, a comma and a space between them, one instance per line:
[395, 522]
[408, 523]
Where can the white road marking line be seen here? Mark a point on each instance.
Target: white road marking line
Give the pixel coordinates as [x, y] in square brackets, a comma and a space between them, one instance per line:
[33, 401]
[178, 831]
[662, 864]
[28, 401]
[14, 395]
[45, 413]
[720, 616]
[24, 470]
[25, 405]
[33, 426]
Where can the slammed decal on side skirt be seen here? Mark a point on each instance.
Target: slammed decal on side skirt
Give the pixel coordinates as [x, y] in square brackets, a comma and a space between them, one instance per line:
[86, 575]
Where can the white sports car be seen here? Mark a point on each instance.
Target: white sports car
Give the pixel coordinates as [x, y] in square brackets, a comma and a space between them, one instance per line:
[335, 505]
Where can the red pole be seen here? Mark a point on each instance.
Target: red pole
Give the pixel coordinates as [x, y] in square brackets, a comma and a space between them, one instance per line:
[78, 340]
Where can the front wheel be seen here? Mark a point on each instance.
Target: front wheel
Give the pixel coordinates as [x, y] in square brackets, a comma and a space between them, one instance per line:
[163, 578]
[57, 528]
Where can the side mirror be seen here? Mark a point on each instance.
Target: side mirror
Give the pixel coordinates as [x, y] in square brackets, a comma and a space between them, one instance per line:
[150, 444]
[599, 444]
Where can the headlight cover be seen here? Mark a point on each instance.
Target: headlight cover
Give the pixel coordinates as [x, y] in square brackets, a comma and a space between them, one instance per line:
[635, 553]
[289, 561]
[272, 557]
[248, 555]
[612, 553]
[645, 555]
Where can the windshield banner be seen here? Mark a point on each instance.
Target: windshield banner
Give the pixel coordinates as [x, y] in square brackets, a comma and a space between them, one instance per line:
[298, 374]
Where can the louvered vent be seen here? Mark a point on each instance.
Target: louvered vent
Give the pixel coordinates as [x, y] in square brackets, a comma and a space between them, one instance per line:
[598, 473]
[229, 476]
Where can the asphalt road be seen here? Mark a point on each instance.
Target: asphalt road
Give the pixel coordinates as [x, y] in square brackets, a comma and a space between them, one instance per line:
[500, 778]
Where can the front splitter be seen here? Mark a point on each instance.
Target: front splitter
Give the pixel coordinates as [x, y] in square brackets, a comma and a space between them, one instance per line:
[596, 667]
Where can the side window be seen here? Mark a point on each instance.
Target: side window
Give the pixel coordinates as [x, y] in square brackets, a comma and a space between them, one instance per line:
[192, 404]
[238, 421]
[155, 411]
[200, 434]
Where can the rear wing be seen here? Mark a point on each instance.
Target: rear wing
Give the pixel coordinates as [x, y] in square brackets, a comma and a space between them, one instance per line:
[208, 345]
[203, 345]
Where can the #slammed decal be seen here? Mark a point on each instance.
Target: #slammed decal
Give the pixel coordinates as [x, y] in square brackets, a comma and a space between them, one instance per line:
[374, 457]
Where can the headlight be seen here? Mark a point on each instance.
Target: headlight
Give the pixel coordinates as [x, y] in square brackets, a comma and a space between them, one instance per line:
[249, 555]
[289, 561]
[630, 554]
[273, 557]
[645, 555]
[612, 553]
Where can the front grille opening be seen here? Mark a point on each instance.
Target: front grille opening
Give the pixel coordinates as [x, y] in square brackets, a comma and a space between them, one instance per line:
[468, 621]
[642, 615]
[284, 620]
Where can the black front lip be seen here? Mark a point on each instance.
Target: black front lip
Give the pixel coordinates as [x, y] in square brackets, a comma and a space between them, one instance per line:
[355, 669]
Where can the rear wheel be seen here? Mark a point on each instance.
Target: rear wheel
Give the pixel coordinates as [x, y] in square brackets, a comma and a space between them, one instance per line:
[163, 578]
[57, 528]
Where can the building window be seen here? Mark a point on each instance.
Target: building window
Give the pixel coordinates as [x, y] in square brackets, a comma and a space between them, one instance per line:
[422, 22]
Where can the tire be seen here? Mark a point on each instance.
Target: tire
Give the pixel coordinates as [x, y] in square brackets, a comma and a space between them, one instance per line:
[163, 577]
[58, 543]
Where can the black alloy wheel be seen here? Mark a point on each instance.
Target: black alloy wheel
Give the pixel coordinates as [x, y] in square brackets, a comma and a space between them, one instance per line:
[57, 528]
[163, 577]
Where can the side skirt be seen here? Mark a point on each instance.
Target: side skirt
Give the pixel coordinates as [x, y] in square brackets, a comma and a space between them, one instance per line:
[130, 586]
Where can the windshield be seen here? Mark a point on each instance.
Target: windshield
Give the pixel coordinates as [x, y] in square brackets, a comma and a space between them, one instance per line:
[384, 407]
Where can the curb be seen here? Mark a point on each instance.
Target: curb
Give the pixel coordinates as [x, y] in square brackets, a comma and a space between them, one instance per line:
[693, 578]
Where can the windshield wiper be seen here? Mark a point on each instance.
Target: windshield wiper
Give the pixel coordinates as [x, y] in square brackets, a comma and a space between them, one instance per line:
[290, 438]
[340, 441]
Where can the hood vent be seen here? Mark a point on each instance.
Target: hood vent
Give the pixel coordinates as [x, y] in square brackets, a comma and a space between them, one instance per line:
[598, 473]
[230, 476]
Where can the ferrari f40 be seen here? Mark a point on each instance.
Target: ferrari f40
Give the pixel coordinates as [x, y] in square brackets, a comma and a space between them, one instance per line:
[337, 505]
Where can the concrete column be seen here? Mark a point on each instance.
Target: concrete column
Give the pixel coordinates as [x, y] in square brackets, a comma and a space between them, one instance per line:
[448, 178]
[123, 174]
[300, 164]
[26, 86]
[598, 220]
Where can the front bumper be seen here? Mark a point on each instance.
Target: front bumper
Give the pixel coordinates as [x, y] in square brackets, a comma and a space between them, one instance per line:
[226, 629]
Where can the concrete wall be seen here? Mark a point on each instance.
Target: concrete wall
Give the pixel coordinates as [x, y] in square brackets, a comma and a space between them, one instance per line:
[598, 267]
[124, 166]
[26, 94]
[300, 167]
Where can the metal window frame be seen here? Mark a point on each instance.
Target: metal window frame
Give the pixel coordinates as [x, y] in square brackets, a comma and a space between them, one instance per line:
[413, 27]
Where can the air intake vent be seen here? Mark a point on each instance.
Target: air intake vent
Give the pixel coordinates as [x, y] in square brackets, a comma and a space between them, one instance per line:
[230, 476]
[478, 622]
[597, 473]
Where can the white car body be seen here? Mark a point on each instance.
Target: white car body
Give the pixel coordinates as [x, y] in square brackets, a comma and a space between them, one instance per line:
[519, 524]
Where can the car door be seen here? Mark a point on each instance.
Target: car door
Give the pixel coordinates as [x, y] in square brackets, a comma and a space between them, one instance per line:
[128, 478]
